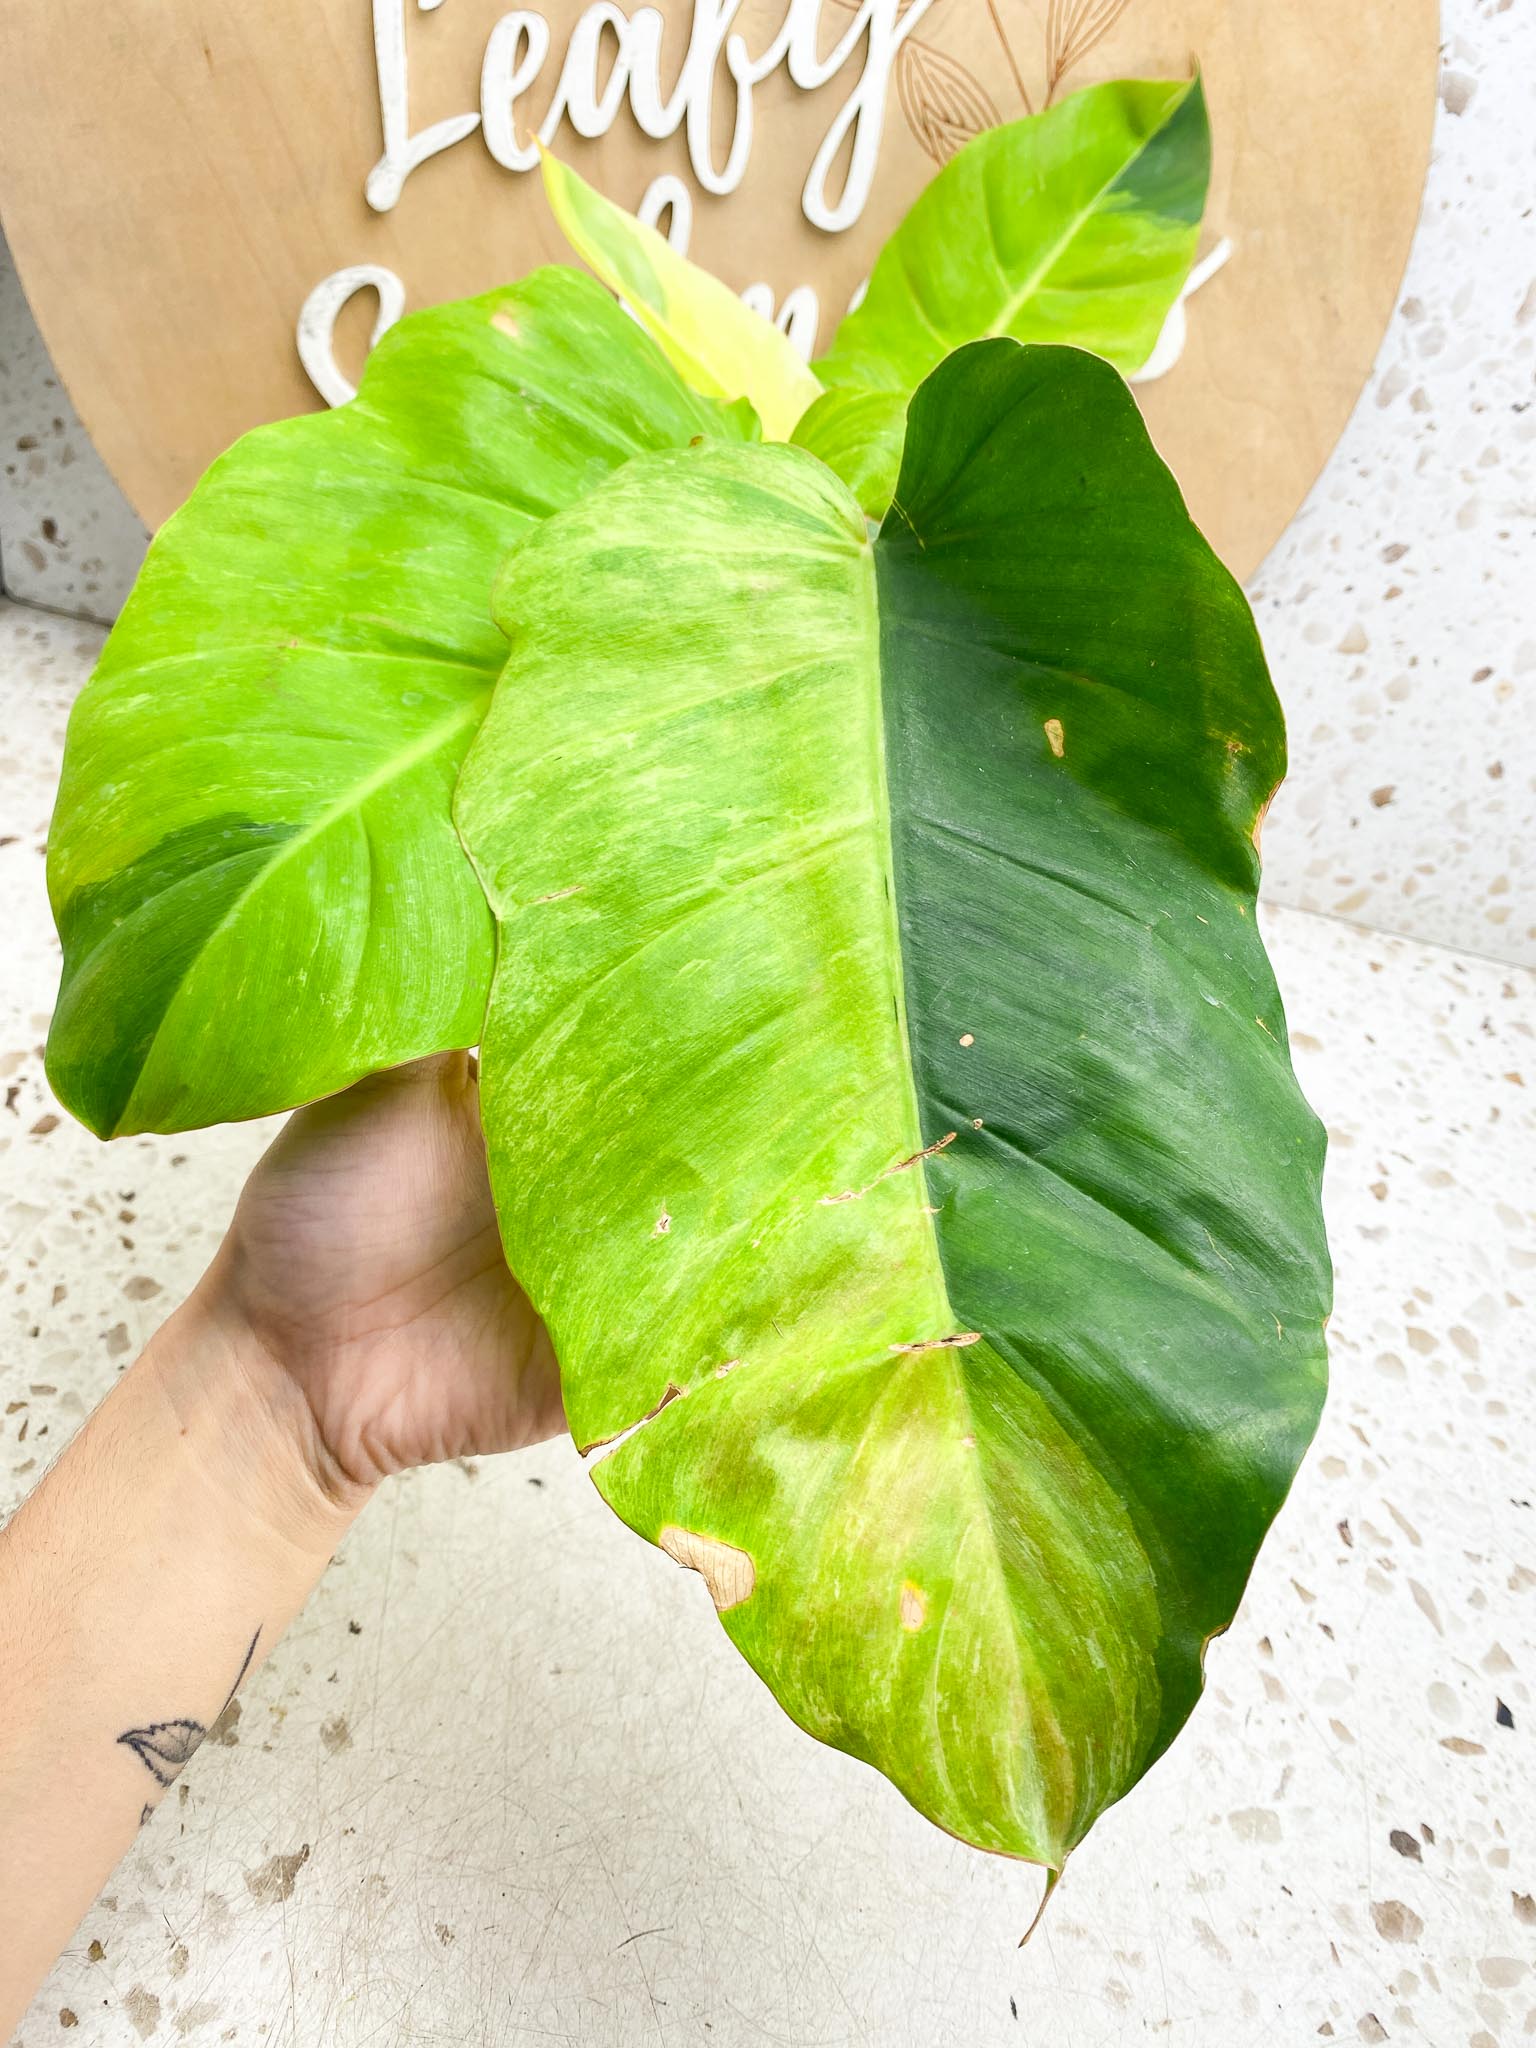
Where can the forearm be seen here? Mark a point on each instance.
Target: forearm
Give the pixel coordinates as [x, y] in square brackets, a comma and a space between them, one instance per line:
[155, 1565]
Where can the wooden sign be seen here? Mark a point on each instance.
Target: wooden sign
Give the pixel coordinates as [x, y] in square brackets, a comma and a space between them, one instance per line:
[212, 208]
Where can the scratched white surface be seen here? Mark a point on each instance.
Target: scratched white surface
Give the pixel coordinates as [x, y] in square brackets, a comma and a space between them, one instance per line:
[506, 1783]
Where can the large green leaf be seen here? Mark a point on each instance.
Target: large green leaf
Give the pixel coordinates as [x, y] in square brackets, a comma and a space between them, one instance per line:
[719, 344]
[1075, 225]
[252, 862]
[886, 1089]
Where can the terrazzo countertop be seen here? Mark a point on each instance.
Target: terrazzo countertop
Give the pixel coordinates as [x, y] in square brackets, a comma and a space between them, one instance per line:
[68, 537]
[505, 1781]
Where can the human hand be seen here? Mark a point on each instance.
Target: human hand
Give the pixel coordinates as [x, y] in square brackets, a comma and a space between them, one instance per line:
[362, 1281]
[358, 1318]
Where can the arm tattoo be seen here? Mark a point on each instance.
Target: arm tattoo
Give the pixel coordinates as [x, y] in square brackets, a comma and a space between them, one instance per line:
[164, 1746]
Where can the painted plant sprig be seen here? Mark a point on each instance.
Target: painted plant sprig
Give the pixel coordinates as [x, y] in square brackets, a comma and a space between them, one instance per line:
[945, 104]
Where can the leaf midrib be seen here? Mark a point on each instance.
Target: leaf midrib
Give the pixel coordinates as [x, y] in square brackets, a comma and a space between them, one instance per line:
[1013, 306]
[972, 1477]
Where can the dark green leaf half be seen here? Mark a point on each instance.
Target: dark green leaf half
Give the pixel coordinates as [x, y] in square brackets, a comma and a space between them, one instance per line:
[252, 861]
[886, 1088]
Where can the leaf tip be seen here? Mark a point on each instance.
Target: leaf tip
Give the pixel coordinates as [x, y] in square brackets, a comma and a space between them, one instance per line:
[1053, 1877]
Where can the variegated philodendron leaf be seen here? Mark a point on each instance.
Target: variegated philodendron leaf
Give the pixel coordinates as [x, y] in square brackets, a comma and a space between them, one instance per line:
[720, 345]
[1076, 225]
[886, 1089]
[252, 862]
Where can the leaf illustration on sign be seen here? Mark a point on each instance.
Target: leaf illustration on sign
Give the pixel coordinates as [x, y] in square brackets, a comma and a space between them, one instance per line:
[1072, 29]
[944, 104]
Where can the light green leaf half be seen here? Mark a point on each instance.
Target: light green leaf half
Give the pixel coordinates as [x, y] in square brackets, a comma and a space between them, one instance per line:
[1077, 225]
[886, 1089]
[720, 345]
[252, 861]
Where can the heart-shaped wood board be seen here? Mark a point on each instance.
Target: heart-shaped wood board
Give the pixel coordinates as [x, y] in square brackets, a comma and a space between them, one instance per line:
[177, 181]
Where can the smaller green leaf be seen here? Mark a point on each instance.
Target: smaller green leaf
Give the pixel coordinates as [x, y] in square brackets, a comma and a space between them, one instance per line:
[719, 345]
[858, 435]
[1076, 225]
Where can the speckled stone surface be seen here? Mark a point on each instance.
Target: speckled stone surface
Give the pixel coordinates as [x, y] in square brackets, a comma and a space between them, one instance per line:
[505, 1782]
[68, 537]
[1399, 610]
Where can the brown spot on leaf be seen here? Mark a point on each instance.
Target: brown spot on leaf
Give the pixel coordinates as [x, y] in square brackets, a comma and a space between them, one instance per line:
[1258, 824]
[955, 1343]
[728, 1572]
[967, 1038]
[901, 1166]
[663, 1225]
[505, 324]
[914, 1606]
[673, 1393]
[1056, 736]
